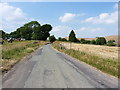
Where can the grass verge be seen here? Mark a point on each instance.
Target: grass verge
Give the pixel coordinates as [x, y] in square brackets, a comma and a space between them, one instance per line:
[16, 51]
[104, 64]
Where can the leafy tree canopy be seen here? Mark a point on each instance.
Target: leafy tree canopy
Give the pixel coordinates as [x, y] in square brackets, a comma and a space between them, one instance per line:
[32, 31]
[52, 38]
[100, 41]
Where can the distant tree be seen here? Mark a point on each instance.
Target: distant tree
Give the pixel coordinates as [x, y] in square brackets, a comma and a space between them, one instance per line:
[72, 37]
[100, 41]
[83, 41]
[52, 38]
[111, 43]
[62, 39]
[3, 34]
[87, 41]
[93, 42]
[59, 39]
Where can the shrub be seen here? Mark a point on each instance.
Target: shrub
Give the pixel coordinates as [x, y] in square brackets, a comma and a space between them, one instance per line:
[100, 41]
[87, 41]
[62, 39]
[93, 42]
[83, 41]
[111, 43]
[52, 38]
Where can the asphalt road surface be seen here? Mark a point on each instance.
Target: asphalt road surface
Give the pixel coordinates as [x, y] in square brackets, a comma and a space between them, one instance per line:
[48, 68]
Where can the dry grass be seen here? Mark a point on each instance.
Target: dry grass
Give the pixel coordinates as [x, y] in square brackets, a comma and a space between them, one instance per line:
[101, 51]
[16, 51]
[94, 55]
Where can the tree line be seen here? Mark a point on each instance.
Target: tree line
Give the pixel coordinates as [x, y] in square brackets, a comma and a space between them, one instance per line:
[98, 41]
[30, 31]
[35, 31]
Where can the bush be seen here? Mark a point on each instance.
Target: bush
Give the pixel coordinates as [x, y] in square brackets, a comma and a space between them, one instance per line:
[111, 43]
[62, 39]
[87, 41]
[101, 41]
[52, 38]
[82, 41]
[93, 42]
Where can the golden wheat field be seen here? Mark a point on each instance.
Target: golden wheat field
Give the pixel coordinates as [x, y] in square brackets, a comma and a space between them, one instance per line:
[101, 51]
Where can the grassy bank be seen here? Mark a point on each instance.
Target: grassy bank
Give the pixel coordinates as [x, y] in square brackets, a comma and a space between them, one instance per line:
[106, 65]
[16, 51]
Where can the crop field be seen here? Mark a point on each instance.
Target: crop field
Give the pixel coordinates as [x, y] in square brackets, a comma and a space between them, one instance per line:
[103, 58]
[16, 51]
[101, 51]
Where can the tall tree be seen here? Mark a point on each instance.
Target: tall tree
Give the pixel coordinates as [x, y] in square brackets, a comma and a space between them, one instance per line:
[44, 31]
[32, 31]
[72, 37]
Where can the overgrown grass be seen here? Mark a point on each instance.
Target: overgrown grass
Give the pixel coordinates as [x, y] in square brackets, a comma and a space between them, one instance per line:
[16, 51]
[106, 65]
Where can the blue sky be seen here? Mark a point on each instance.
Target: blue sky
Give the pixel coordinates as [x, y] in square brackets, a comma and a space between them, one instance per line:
[87, 19]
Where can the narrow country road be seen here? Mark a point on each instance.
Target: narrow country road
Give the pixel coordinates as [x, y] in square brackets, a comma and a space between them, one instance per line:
[48, 68]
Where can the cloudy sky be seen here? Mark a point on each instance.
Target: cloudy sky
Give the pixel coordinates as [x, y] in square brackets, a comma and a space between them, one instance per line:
[87, 19]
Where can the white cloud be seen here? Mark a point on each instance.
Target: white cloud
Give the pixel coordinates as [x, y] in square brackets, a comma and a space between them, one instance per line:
[12, 17]
[67, 17]
[61, 31]
[90, 32]
[89, 29]
[60, 28]
[104, 18]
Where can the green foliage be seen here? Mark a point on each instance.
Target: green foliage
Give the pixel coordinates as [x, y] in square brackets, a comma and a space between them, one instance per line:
[78, 41]
[93, 42]
[82, 41]
[52, 38]
[32, 31]
[3, 34]
[100, 41]
[111, 43]
[72, 37]
[87, 41]
[107, 65]
[44, 31]
[62, 39]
